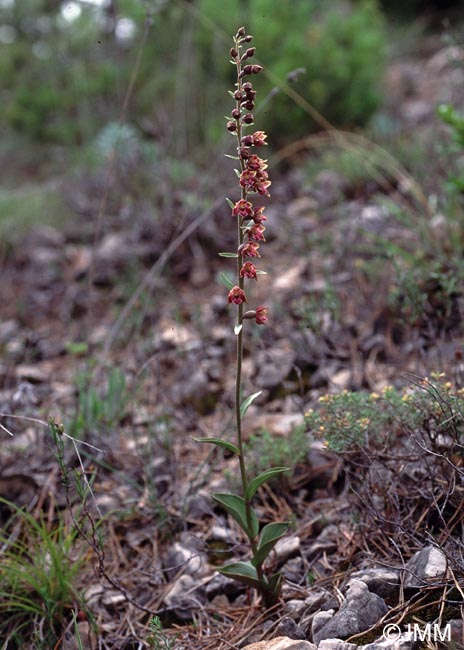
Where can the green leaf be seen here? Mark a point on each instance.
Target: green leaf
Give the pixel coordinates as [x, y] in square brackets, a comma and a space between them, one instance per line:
[227, 254]
[235, 506]
[275, 584]
[248, 401]
[268, 538]
[229, 202]
[243, 572]
[233, 158]
[220, 443]
[262, 478]
[226, 281]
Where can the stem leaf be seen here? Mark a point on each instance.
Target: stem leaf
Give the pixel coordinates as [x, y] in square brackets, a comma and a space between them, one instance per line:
[247, 402]
[262, 478]
[229, 202]
[268, 538]
[243, 572]
[228, 255]
[236, 507]
[226, 280]
[237, 329]
[225, 444]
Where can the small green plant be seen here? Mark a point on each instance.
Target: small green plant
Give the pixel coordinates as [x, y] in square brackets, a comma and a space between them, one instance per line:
[265, 450]
[253, 180]
[39, 565]
[157, 637]
[450, 116]
[352, 420]
[96, 409]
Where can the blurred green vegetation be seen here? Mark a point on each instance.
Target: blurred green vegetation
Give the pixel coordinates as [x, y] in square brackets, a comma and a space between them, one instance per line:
[66, 67]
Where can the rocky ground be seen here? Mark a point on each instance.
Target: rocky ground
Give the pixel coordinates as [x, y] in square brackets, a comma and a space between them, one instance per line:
[126, 339]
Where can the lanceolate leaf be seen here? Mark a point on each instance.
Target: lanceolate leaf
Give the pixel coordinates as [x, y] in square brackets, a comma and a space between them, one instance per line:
[226, 281]
[268, 538]
[247, 402]
[262, 478]
[229, 202]
[235, 506]
[243, 572]
[220, 443]
[228, 254]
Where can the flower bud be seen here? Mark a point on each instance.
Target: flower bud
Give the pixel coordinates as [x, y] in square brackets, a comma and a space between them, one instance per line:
[248, 118]
[247, 141]
[250, 94]
[256, 69]
[247, 87]
[231, 126]
[233, 53]
[241, 32]
[250, 52]
[249, 105]
[244, 153]
[248, 69]
[248, 38]
[235, 113]
[238, 95]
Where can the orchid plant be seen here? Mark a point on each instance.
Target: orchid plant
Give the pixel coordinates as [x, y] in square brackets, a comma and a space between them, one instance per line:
[249, 218]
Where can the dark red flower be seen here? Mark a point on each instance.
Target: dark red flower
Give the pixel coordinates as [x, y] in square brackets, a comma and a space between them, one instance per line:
[250, 249]
[243, 209]
[259, 138]
[261, 315]
[258, 216]
[248, 270]
[256, 233]
[236, 295]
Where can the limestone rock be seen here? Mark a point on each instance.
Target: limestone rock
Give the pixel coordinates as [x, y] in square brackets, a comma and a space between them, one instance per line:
[281, 643]
[379, 580]
[360, 611]
[336, 644]
[427, 565]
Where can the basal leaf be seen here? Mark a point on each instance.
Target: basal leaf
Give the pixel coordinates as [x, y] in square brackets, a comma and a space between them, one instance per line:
[235, 506]
[243, 572]
[220, 443]
[248, 401]
[262, 478]
[275, 584]
[268, 538]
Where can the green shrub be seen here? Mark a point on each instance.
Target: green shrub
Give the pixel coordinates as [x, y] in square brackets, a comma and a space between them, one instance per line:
[353, 420]
[340, 45]
[64, 81]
